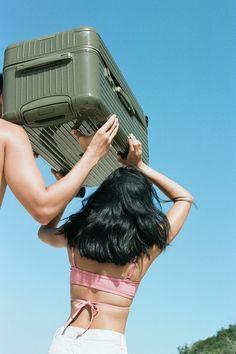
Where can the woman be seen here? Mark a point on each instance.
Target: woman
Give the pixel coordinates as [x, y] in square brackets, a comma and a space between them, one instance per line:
[19, 170]
[111, 244]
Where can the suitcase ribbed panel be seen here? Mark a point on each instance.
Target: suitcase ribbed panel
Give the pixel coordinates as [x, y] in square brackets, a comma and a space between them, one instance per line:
[45, 84]
[41, 46]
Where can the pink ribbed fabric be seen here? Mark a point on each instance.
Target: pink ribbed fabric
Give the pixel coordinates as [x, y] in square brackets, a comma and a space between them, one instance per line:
[117, 286]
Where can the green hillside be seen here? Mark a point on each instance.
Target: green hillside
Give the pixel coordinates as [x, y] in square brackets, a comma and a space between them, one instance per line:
[224, 342]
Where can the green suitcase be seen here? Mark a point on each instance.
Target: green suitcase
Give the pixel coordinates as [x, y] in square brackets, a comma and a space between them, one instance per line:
[69, 80]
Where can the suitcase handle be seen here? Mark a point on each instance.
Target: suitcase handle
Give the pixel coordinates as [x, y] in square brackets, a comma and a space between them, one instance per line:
[125, 100]
[44, 61]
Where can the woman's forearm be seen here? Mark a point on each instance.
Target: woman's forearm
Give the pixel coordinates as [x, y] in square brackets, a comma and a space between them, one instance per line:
[26, 182]
[170, 188]
[49, 233]
[182, 199]
[55, 197]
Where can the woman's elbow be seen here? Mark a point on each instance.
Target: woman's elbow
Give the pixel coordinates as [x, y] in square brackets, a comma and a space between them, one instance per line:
[43, 215]
[42, 219]
[42, 210]
[190, 199]
[40, 233]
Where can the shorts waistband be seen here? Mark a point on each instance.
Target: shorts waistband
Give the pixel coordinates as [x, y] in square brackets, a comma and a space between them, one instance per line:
[93, 334]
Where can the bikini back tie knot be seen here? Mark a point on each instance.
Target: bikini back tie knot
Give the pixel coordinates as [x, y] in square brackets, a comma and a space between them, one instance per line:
[79, 305]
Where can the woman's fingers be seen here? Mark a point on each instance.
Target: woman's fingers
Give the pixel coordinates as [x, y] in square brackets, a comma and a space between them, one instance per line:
[135, 152]
[112, 128]
[136, 143]
[101, 141]
[135, 140]
[104, 135]
[113, 120]
[131, 143]
[113, 133]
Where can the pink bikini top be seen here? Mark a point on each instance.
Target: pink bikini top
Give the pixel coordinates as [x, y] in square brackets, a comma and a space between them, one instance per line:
[124, 287]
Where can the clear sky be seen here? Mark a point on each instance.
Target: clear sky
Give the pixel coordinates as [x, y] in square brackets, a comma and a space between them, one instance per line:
[179, 59]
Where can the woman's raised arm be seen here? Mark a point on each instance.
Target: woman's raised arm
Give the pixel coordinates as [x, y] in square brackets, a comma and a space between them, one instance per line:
[25, 180]
[181, 198]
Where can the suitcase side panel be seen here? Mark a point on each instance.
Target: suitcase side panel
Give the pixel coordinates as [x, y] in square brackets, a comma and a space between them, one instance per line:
[108, 59]
[75, 82]
[129, 124]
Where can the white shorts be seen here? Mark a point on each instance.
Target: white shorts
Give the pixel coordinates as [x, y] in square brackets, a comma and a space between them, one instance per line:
[94, 341]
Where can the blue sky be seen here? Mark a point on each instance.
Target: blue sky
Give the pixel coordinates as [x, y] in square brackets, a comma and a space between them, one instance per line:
[179, 59]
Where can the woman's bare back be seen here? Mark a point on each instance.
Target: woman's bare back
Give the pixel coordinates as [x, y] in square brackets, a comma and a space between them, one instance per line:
[2, 179]
[108, 317]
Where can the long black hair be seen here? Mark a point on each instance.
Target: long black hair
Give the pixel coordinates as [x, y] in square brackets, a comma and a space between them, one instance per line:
[119, 221]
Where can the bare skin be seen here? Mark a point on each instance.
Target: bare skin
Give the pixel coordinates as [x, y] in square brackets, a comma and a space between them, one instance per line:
[2, 178]
[110, 318]
[19, 170]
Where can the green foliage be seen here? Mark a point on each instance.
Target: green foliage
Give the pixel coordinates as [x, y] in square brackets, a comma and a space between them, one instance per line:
[224, 342]
[184, 350]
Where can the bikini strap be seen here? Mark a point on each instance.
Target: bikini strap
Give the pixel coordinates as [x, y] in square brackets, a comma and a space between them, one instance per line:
[94, 308]
[79, 305]
[132, 268]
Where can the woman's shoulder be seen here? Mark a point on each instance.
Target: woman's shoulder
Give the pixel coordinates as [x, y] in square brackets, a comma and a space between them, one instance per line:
[145, 261]
[12, 132]
[8, 130]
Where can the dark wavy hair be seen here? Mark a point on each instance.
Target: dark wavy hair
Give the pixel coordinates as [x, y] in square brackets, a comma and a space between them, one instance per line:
[119, 221]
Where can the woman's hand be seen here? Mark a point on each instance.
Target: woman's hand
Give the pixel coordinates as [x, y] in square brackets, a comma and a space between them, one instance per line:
[99, 144]
[134, 156]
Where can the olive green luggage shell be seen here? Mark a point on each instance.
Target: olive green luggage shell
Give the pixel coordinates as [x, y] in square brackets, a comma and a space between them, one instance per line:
[52, 55]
